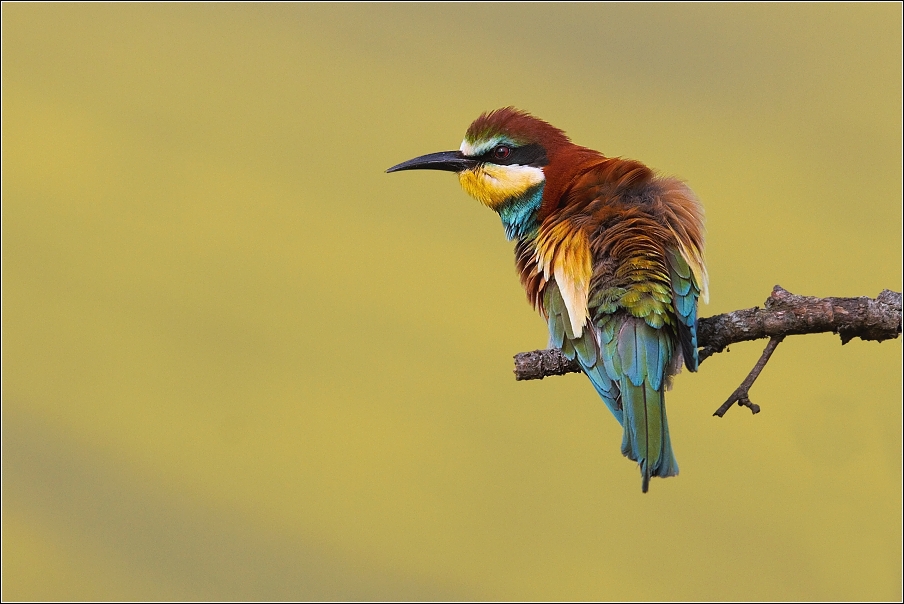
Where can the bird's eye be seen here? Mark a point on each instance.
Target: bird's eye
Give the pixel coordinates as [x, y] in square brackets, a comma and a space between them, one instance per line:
[501, 152]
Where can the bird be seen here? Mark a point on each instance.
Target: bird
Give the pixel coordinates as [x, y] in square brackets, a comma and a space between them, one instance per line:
[611, 254]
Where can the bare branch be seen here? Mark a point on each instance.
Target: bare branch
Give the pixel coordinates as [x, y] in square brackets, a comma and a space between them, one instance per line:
[784, 314]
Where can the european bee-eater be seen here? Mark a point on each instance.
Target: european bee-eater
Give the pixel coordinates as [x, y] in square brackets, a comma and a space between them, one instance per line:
[609, 252]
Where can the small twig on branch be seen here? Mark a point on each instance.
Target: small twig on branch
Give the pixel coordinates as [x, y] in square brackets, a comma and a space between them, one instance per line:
[784, 314]
[741, 394]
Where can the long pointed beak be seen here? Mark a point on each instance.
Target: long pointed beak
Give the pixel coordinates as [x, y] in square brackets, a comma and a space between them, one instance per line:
[450, 161]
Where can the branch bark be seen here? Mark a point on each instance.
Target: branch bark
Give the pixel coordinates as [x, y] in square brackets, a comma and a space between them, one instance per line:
[784, 314]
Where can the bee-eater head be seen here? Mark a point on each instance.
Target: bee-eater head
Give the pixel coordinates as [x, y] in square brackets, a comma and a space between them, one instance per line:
[502, 158]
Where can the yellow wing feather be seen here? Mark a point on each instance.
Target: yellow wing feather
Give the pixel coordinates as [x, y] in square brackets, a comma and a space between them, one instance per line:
[563, 252]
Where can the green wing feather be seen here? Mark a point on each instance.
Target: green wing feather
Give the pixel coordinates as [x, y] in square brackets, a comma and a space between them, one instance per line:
[586, 348]
[686, 292]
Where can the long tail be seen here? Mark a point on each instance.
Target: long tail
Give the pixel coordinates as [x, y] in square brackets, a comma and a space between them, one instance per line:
[646, 438]
[637, 360]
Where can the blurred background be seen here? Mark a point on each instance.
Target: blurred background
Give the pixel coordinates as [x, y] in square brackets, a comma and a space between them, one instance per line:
[241, 362]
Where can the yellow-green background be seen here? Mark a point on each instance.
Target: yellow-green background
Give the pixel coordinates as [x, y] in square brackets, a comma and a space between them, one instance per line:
[240, 361]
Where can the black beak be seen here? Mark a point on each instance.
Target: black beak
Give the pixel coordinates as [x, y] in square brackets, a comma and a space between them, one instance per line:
[450, 161]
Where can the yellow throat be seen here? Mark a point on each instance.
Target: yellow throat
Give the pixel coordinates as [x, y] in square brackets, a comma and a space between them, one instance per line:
[493, 185]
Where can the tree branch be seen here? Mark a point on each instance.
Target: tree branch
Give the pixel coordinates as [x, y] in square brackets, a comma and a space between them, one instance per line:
[784, 314]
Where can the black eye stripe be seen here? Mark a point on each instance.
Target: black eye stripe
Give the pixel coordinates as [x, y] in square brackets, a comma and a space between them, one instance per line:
[526, 155]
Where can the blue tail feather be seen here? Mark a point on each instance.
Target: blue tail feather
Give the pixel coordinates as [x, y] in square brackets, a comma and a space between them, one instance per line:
[645, 353]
